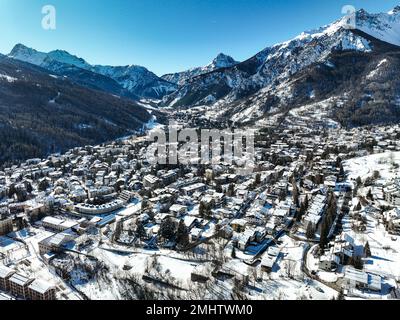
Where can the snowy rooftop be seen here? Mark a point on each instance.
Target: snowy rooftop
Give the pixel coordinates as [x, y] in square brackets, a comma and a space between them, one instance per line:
[19, 279]
[5, 272]
[40, 286]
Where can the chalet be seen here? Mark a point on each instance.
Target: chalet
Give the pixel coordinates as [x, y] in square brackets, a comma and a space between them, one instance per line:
[169, 177]
[239, 225]
[260, 234]
[226, 232]
[178, 210]
[267, 263]
[195, 234]
[343, 248]
[392, 219]
[244, 239]
[329, 262]
[57, 242]
[269, 259]
[255, 218]
[190, 222]
[160, 217]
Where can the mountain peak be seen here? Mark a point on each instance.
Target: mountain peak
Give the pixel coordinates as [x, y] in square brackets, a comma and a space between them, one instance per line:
[19, 47]
[67, 58]
[395, 10]
[222, 61]
[23, 53]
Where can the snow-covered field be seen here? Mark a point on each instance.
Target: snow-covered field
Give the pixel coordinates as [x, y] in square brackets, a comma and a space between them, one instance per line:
[385, 248]
[364, 167]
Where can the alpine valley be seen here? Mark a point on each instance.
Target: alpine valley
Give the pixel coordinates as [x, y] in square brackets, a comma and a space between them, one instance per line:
[349, 74]
[307, 207]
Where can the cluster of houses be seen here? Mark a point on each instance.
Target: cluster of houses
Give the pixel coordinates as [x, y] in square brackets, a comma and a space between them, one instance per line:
[86, 188]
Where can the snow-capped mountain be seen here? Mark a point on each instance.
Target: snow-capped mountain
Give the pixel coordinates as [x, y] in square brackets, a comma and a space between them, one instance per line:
[137, 80]
[130, 81]
[23, 53]
[221, 61]
[383, 26]
[278, 63]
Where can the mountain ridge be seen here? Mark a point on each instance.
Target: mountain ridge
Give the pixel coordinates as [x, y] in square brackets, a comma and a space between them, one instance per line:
[135, 81]
[221, 61]
[281, 61]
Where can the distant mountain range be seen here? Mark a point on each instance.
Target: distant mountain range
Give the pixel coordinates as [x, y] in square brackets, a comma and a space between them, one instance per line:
[284, 76]
[130, 81]
[51, 101]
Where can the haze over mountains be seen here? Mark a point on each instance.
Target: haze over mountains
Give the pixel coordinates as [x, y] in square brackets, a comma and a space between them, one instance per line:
[352, 73]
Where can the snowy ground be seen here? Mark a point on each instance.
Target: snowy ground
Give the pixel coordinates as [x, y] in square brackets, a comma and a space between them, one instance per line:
[364, 167]
[385, 248]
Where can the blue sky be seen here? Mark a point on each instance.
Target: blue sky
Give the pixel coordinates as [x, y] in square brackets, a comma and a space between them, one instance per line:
[167, 35]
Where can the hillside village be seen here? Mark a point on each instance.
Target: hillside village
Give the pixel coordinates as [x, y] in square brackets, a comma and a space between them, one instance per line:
[319, 218]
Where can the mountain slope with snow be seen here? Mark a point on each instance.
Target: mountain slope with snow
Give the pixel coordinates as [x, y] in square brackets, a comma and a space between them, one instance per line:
[41, 113]
[278, 63]
[382, 26]
[221, 61]
[137, 80]
[133, 81]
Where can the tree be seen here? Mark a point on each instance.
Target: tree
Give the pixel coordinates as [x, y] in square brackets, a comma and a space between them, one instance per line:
[144, 204]
[282, 195]
[370, 196]
[295, 194]
[28, 187]
[140, 230]
[117, 231]
[367, 250]
[258, 179]
[331, 211]
[357, 262]
[341, 295]
[358, 181]
[231, 190]
[233, 253]
[182, 235]
[218, 188]
[324, 234]
[43, 185]
[301, 212]
[12, 191]
[168, 229]
[202, 209]
[358, 207]
[310, 233]
[306, 203]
